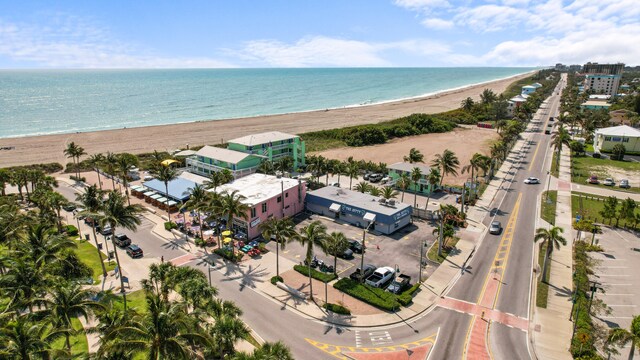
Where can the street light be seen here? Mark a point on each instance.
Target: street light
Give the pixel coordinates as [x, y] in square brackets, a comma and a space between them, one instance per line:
[548, 184]
[370, 218]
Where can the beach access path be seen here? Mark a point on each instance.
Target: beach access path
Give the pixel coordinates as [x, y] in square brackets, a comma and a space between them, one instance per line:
[49, 148]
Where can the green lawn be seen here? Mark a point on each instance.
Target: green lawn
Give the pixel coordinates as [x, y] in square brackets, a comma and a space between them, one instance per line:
[591, 207]
[135, 299]
[79, 344]
[433, 252]
[548, 208]
[554, 171]
[542, 292]
[312, 145]
[583, 167]
[87, 253]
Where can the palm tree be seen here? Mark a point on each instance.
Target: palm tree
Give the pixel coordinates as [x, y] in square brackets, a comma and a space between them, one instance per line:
[310, 235]
[558, 138]
[403, 183]
[352, 169]
[24, 338]
[375, 191]
[24, 282]
[164, 331]
[55, 201]
[116, 214]
[488, 96]
[338, 168]
[415, 156]
[111, 163]
[91, 200]
[447, 162]
[74, 152]
[232, 206]
[67, 301]
[5, 178]
[432, 179]
[215, 180]
[282, 231]
[42, 245]
[389, 193]
[621, 337]
[96, 161]
[266, 167]
[166, 174]
[363, 187]
[268, 351]
[475, 164]
[467, 104]
[552, 238]
[500, 124]
[225, 331]
[125, 162]
[284, 165]
[196, 291]
[416, 175]
[335, 244]
[198, 197]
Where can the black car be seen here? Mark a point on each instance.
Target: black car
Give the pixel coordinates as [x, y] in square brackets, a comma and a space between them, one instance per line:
[134, 251]
[122, 240]
[355, 246]
[368, 270]
[69, 206]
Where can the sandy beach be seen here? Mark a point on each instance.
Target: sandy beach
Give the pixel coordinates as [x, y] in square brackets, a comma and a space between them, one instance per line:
[49, 148]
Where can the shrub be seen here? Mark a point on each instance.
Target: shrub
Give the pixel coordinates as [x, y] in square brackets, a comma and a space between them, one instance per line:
[228, 254]
[407, 296]
[78, 179]
[169, 225]
[47, 168]
[276, 279]
[318, 275]
[71, 230]
[199, 242]
[369, 294]
[263, 248]
[338, 309]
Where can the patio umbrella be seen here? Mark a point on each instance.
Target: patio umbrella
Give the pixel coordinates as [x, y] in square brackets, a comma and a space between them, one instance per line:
[227, 233]
[208, 233]
[227, 240]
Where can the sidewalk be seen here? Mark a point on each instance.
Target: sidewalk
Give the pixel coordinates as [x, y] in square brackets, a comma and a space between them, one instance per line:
[552, 328]
[621, 195]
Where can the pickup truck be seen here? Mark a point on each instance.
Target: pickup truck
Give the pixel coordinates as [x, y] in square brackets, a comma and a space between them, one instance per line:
[368, 270]
[398, 284]
[380, 277]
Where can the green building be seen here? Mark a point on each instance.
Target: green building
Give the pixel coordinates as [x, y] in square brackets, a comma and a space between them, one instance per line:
[396, 170]
[243, 155]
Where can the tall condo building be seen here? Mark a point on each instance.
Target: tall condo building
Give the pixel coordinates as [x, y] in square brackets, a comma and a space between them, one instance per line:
[602, 78]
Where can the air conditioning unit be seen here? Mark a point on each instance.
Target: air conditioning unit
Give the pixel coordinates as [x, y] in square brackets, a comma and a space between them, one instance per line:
[382, 201]
[391, 202]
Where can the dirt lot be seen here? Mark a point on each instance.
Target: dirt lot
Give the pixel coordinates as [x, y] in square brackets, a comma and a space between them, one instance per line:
[464, 141]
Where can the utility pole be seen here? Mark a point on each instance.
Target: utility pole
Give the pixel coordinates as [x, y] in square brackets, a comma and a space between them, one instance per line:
[421, 256]
[548, 184]
[364, 234]
[462, 199]
[440, 235]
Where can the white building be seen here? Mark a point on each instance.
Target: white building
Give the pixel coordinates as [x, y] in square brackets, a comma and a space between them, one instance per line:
[605, 139]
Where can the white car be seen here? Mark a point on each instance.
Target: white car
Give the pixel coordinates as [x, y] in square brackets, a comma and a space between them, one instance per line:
[385, 179]
[532, 180]
[609, 182]
[381, 276]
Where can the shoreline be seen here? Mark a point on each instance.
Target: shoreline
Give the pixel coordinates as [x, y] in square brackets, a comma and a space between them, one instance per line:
[48, 148]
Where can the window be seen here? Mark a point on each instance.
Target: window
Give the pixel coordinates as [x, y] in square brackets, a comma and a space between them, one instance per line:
[286, 195]
[264, 208]
[625, 140]
[607, 138]
[253, 212]
[279, 199]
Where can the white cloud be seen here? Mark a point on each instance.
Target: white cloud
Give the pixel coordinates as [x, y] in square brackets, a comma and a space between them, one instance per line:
[69, 42]
[491, 17]
[438, 24]
[422, 5]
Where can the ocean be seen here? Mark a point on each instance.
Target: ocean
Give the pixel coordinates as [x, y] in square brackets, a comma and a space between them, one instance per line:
[38, 102]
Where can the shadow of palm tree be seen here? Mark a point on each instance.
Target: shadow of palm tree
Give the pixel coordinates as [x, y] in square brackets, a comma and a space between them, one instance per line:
[335, 322]
[563, 292]
[249, 277]
[296, 300]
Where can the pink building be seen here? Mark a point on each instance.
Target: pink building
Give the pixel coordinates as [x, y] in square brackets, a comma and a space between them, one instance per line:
[267, 196]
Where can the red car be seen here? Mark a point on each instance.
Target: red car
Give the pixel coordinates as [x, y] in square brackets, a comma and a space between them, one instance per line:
[593, 180]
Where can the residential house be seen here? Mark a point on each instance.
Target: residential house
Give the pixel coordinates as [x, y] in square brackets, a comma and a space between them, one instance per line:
[422, 187]
[605, 139]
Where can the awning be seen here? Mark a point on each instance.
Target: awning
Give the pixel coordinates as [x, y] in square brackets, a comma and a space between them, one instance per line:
[162, 200]
[137, 187]
[155, 196]
[171, 203]
[370, 217]
[335, 207]
[149, 193]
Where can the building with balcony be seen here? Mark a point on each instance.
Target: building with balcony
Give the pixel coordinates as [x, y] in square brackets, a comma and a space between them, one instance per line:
[595, 105]
[243, 155]
[528, 89]
[267, 196]
[605, 139]
[602, 78]
[422, 187]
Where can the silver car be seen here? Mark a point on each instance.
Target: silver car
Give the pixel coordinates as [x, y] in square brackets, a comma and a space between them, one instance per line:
[495, 228]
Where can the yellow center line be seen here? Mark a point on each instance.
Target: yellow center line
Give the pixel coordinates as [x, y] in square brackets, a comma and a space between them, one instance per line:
[512, 224]
[533, 160]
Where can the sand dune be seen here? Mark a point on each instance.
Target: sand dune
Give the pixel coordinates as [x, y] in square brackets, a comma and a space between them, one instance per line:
[49, 148]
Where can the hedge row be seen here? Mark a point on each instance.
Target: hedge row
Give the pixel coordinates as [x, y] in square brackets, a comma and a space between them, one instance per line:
[369, 294]
[47, 168]
[318, 275]
[405, 298]
[227, 254]
[338, 309]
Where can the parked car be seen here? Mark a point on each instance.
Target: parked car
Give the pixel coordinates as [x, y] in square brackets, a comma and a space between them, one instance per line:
[106, 230]
[355, 246]
[609, 182]
[532, 180]
[495, 228]
[366, 176]
[374, 178]
[336, 184]
[593, 179]
[368, 270]
[347, 254]
[385, 179]
[551, 118]
[122, 240]
[547, 132]
[69, 206]
[90, 221]
[147, 177]
[624, 183]
[380, 277]
[398, 284]
[134, 251]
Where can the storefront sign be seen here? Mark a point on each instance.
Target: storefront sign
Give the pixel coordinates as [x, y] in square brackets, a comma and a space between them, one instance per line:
[352, 210]
[401, 214]
[255, 222]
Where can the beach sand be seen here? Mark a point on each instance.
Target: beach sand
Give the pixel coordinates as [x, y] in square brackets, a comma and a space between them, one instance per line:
[49, 148]
[463, 141]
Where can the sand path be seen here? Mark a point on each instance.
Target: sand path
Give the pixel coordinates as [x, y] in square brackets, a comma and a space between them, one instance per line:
[49, 148]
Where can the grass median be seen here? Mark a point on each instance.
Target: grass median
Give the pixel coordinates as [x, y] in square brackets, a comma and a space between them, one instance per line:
[548, 206]
[542, 293]
[446, 250]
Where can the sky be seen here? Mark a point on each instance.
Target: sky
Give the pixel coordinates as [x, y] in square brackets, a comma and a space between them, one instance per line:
[316, 33]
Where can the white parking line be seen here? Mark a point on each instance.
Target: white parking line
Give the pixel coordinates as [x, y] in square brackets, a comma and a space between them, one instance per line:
[621, 305]
[607, 294]
[614, 275]
[617, 284]
[613, 267]
[615, 317]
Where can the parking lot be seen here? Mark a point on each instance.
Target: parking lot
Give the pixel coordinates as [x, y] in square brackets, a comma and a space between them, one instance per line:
[617, 271]
[400, 250]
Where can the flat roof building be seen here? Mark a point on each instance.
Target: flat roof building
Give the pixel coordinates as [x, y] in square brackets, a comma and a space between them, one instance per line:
[359, 209]
[606, 138]
[267, 196]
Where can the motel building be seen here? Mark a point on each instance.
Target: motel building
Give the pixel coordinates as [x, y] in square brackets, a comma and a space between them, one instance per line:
[361, 210]
[267, 196]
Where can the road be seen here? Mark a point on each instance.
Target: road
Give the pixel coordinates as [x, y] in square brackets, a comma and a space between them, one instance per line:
[515, 206]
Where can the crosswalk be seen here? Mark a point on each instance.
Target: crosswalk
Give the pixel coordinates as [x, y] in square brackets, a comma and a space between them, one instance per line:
[376, 338]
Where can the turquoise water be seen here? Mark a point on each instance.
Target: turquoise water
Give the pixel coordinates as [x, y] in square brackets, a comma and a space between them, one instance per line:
[36, 102]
